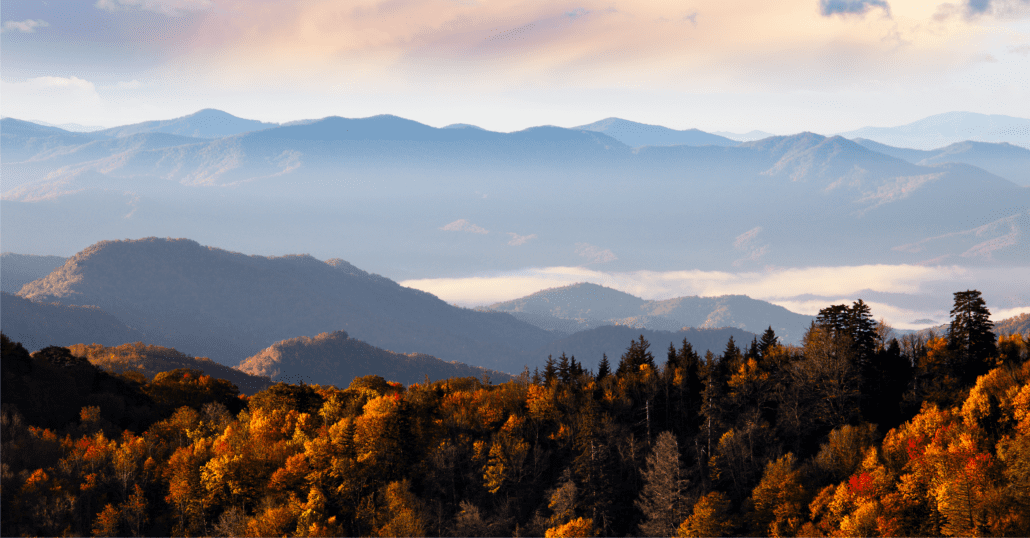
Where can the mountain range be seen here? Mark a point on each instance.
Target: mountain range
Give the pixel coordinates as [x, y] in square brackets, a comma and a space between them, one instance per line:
[258, 312]
[587, 306]
[386, 191]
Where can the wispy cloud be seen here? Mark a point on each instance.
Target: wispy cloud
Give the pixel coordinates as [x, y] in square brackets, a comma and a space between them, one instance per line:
[517, 239]
[173, 8]
[27, 26]
[595, 254]
[748, 244]
[462, 225]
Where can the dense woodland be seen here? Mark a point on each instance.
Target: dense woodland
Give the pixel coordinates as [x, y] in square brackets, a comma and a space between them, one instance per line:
[852, 433]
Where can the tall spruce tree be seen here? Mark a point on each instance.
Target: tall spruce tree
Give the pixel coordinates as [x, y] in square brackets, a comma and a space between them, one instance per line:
[769, 339]
[550, 371]
[971, 336]
[604, 369]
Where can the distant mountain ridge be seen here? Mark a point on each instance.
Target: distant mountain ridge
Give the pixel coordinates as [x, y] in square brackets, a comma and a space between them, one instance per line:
[588, 306]
[948, 128]
[387, 187]
[635, 134]
[1002, 159]
[207, 123]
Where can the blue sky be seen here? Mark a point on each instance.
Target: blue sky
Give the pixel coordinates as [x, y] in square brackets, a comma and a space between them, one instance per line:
[733, 65]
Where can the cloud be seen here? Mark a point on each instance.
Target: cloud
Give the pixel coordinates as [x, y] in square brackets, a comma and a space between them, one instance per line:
[748, 243]
[595, 254]
[67, 99]
[851, 7]
[26, 27]
[517, 239]
[172, 8]
[1020, 49]
[998, 8]
[462, 225]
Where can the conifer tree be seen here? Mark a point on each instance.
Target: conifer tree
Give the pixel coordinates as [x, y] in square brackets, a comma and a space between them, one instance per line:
[769, 340]
[564, 374]
[971, 335]
[550, 371]
[603, 369]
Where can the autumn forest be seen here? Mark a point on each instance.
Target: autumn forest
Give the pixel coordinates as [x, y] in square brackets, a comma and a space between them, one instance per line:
[854, 432]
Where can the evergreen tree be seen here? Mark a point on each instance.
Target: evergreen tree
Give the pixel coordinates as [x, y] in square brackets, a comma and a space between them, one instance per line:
[550, 371]
[753, 351]
[564, 375]
[971, 336]
[603, 369]
[635, 356]
[731, 355]
[769, 340]
[670, 361]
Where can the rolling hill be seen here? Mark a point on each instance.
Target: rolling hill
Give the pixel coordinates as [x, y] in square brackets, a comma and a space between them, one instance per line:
[336, 359]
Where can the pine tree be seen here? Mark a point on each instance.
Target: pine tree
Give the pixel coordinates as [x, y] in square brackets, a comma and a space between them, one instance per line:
[603, 369]
[971, 336]
[550, 371]
[564, 375]
[635, 356]
[769, 340]
[731, 355]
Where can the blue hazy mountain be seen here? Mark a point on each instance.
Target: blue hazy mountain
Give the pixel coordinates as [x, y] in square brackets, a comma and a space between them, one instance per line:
[588, 306]
[635, 134]
[207, 123]
[1001, 159]
[948, 128]
[744, 137]
[16, 270]
[384, 191]
[228, 306]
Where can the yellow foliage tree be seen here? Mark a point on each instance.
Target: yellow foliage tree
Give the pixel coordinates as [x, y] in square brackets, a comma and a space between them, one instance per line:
[711, 517]
[579, 527]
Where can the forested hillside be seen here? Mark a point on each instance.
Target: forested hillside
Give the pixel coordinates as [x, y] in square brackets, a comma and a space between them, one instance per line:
[335, 359]
[853, 432]
[152, 360]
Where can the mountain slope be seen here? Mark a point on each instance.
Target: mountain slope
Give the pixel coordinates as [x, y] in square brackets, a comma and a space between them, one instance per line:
[1001, 159]
[152, 360]
[229, 306]
[336, 359]
[16, 270]
[37, 324]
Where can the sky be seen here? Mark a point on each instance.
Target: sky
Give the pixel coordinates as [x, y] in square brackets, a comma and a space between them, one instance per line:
[721, 65]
